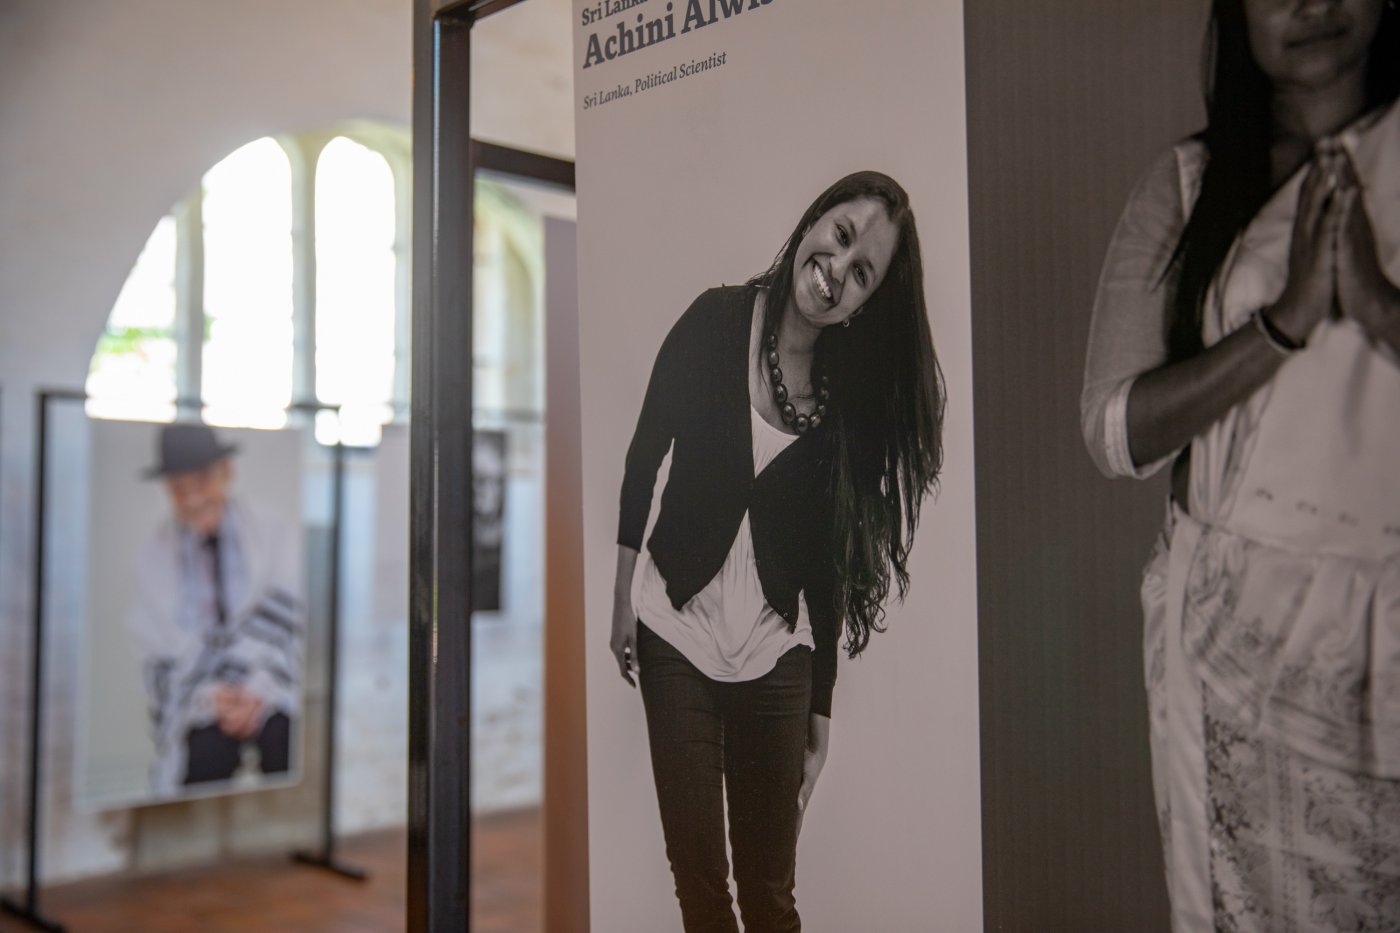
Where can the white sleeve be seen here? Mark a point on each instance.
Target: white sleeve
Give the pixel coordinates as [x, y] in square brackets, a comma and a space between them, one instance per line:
[1127, 335]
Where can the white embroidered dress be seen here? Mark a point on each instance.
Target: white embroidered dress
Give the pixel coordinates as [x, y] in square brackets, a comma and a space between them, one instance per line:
[1272, 611]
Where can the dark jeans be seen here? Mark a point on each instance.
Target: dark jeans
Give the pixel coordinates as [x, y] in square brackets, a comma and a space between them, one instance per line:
[746, 739]
[214, 756]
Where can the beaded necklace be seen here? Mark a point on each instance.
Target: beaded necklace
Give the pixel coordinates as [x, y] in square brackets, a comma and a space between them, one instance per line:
[800, 421]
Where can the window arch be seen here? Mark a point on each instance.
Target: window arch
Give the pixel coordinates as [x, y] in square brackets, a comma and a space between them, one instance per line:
[133, 371]
[356, 259]
[284, 278]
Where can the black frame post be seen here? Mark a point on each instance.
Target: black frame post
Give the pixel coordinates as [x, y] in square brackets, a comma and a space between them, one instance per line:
[439, 746]
[445, 162]
[28, 911]
[326, 857]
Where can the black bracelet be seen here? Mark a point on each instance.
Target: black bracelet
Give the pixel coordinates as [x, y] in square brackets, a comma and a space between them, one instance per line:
[1276, 338]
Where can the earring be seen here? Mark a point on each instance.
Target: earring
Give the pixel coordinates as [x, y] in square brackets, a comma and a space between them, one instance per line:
[846, 322]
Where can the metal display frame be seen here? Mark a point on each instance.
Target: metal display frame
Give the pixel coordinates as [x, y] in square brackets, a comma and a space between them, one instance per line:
[445, 162]
[325, 858]
[28, 909]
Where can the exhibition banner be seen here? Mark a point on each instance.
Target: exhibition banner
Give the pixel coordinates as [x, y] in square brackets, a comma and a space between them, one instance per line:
[777, 438]
[196, 626]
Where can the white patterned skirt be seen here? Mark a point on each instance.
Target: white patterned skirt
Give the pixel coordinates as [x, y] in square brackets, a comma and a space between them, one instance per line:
[1276, 809]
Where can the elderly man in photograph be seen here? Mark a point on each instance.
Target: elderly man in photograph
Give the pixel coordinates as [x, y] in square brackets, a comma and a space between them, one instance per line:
[218, 621]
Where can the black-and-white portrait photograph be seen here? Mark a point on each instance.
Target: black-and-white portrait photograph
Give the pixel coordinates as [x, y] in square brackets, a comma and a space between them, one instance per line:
[489, 473]
[1227, 604]
[1245, 338]
[777, 473]
[490, 476]
[197, 619]
[804, 437]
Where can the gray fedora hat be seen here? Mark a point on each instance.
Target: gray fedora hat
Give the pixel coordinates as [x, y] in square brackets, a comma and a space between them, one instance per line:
[183, 448]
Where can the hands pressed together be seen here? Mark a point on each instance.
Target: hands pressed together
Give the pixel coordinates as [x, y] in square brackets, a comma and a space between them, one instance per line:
[1334, 268]
[1333, 272]
[238, 711]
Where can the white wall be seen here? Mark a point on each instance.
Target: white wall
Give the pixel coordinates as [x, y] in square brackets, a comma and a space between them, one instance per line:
[108, 113]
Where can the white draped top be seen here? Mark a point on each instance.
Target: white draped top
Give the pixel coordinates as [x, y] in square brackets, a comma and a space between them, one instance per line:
[1291, 608]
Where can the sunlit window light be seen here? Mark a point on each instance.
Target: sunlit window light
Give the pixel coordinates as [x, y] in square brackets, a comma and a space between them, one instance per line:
[243, 326]
[132, 374]
[355, 291]
[248, 346]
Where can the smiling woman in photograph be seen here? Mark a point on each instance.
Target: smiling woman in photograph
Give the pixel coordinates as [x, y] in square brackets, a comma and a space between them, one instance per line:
[803, 414]
[1247, 334]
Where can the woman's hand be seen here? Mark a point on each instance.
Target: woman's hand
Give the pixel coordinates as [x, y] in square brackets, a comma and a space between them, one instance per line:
[623, 643]
[1172, 404]
[1311, 292]
[1364, 293]
[624, 638]
[813, 760]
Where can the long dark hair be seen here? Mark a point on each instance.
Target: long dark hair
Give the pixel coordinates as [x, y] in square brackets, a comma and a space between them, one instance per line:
[884, 426]
[1237, 138]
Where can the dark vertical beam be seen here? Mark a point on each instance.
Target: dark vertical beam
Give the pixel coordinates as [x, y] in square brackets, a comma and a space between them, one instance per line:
[333, 652]
[440, 495]
[420, 469]
[325, 858]
[36, 674]
[439, 863]
[28, 911]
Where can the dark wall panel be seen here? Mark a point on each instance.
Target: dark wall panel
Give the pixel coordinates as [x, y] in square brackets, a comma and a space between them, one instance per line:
[1067, 105]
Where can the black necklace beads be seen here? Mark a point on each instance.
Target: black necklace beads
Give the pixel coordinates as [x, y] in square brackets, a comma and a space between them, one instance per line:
[801, 421]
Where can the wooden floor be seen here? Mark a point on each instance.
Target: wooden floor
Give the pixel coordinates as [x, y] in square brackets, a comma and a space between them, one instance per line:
[272, 895]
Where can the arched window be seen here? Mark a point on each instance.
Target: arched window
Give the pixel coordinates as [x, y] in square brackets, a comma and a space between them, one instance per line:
[284, 279]
[245, 366]
[133, 371]
[356, 274]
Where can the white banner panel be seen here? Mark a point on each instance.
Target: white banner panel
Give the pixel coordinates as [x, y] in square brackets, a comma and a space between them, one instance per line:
[705, 130]
[193, 679]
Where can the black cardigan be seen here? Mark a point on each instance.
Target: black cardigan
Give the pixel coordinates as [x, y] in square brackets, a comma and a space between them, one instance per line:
[698, 399]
